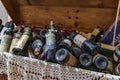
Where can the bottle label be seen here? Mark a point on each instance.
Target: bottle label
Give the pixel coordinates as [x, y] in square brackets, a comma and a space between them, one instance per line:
[22, 41]
[50, 39]
[72, 61]
[13, 43]
[68, 42]
[110, 66]
[115, 57]
[5, 43]
[79, 40]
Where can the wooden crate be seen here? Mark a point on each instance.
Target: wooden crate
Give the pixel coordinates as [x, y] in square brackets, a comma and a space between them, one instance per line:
[82, 15]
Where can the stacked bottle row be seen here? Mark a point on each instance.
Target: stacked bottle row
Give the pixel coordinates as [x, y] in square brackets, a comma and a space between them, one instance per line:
[65, 47]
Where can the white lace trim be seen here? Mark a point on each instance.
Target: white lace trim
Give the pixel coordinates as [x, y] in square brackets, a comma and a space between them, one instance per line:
[23, 68]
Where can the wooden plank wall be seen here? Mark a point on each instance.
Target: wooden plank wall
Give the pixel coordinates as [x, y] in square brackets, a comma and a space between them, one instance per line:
[82, 15]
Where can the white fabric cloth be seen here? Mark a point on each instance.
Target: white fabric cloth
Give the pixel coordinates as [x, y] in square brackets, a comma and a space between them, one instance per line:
[23, 68]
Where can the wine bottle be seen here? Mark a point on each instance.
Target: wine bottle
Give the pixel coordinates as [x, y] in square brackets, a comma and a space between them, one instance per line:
[50, 57]
[76, 52]
[7, 38]
[42, 35]
[116, 54]
[102, 63]
[66, 43]
[85, 60]
[37, 46]
[105, 49]
[16, 37]
[83, 43]
[95, 35]
[117, 69]
[50, 40]
[64, 57]
[7, 25]
[23, 42]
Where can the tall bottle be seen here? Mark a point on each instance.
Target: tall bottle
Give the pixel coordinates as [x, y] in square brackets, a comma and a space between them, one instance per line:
[83, 43]
[64, 57]
[37, 46]
[7, 25]
[85, 60]
[102, 63]
[50, 42]
[7, 38]
[23, 42]
[116, 54]
[16, 37]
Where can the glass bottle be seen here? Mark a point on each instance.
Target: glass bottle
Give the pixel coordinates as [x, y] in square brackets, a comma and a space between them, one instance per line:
[23, 42]
[64, 57]
[85, 60]
[116, 54]
[102, 63]
[7, 38]
[16, 37]
[117, 69]
[83, 43]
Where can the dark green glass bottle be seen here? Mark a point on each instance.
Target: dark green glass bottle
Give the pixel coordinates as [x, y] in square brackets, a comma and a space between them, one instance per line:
[7, 38]
[23, 42]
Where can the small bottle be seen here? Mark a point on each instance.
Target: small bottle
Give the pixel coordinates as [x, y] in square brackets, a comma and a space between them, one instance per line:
[95, 35]
[85, 60]
[37, 46]
[64, 57]
[83, 43]
[102, 63]
[23, 42]
[16, 37]
[7, 38]
[116, 54]
[66, 43]
[117, 69]
[50, 42]
[76, 52]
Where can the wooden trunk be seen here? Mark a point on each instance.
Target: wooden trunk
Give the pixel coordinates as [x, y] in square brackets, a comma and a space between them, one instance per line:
[82, 15]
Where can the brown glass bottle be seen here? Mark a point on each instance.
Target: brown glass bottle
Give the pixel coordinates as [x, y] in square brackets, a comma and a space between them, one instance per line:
[64, 57]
